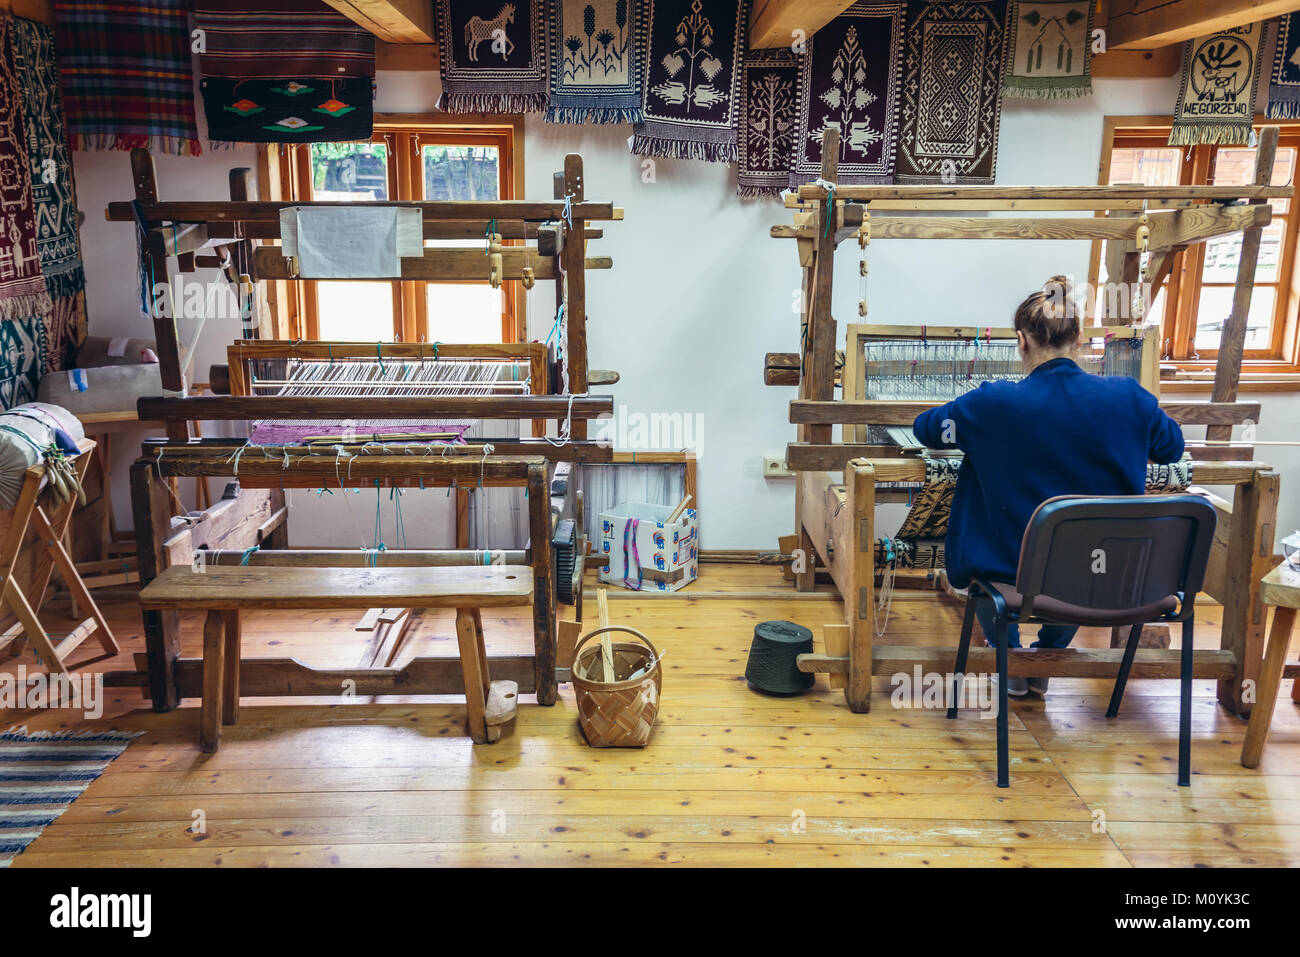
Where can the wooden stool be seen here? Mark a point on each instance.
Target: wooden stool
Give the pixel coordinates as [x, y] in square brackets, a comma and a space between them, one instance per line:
[1281, 589]
[28, 512]
[225, 590]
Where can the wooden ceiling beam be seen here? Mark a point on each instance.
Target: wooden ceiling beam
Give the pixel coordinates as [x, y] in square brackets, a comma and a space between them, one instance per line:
[393, 21]
[1146, 24]
[772, 23]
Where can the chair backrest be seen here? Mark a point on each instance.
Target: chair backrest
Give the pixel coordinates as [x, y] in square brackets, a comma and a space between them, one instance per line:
[1115, 552]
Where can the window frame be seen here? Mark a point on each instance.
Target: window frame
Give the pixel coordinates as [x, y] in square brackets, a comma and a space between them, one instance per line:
[1184, 285]
[287, 171]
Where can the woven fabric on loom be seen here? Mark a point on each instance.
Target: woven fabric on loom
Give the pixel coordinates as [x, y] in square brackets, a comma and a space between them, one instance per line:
[769, 114]
[126, 75]
[1049, 49]
[53, 188]
[692, 86]
[492, 55]
[1216, 100]
[292, 71]
[951, 103]
[850, 79]
[597, 60]
[22, 287]
[1284, 79]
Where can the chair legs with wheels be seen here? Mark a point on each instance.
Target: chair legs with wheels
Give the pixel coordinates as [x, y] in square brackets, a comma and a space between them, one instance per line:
[1185, 708]
[1121, 680]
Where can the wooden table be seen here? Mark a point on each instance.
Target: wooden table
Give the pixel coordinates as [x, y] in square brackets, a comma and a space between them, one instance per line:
[1281, 589]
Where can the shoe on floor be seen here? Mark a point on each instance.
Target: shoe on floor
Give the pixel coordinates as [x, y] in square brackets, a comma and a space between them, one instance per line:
[1017, 687]
[1038, 686]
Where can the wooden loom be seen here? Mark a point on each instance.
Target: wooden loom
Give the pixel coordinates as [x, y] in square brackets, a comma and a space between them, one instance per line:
[835, 521]
[554, 235]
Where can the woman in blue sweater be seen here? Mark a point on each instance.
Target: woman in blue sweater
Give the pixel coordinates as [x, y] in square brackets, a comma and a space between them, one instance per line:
[1058, 431]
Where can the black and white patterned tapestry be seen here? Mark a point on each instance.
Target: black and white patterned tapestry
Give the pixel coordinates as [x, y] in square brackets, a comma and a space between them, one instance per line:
[850, 79]
[1049, 49]
[1216, 100]
[769, 115]
[690, 103]
[1284, 84]
[22, 360]
[951, 105]
[492, 55]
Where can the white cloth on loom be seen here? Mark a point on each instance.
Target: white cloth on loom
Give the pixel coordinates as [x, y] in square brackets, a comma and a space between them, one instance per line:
[351, 242]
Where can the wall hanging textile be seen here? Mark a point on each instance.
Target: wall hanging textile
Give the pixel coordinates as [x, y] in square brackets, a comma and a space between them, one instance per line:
[300, 110]
[492, 56]
[22, 359]
[1284, 85]
[281, 38]
[950, 110]
[1049, 49]
[850, 78]
[1216, 101]
[41, 774]
[597, 59]
[63, 332]
[53, 189]
[126, 75]
[22, 287]
[769, 117]
[691, 95]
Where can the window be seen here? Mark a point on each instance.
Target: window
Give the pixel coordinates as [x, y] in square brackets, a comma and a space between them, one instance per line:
[413, 159]
[1194, 302]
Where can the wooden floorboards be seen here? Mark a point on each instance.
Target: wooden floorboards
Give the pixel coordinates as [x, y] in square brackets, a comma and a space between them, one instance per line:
[730, 777]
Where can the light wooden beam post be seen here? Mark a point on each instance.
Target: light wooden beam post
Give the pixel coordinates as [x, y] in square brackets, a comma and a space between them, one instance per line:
[772, 23]
[393, 21]
[1144, 24]
[1249, 558]
[860, 595]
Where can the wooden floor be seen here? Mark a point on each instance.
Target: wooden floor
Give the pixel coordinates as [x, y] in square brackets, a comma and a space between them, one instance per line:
[730, 778]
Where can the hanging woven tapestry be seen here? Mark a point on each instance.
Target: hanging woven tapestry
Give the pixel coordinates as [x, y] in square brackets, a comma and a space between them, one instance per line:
[596, 61]
[22, 287]
[1284, 87]
[769, 114]
[292, 71]
[1216, 102]
[110, 101]
[53, 189]
[1049, 49]
[63, 332]
[850, 76]
[306, 110]
[22, 360]
[691, 93]
[492, 56]
[950, 111]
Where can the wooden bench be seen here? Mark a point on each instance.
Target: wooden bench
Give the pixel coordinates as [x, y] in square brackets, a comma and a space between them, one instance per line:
[224, 591]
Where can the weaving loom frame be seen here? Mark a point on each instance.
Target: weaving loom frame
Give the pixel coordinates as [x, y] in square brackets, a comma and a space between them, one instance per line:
[256, 516]
[835, 521]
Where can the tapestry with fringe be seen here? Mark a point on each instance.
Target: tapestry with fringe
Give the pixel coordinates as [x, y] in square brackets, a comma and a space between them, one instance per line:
[1216, 101]
[691, 93]
[1049, 50]
[769, 114]
[951, 104]
[1284, 84]
[23, 360]
[596, 61]
[850, 77]
[492, 56]
[288, 71]
[53, 188]
[22, 287]
[111, 102]
[63, 333]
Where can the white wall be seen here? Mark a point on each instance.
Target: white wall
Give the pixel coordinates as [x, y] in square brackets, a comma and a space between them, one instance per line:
[699, 291]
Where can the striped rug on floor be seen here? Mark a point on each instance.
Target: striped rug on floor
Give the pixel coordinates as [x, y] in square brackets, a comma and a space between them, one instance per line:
[42, 774]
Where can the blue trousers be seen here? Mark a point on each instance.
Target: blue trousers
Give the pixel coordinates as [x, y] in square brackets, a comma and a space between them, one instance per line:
[1049, 636]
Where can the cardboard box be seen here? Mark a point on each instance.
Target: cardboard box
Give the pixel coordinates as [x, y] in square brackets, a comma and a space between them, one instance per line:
[642, 551]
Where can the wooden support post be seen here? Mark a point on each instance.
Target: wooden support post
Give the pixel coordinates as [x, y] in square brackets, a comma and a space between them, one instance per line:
[230, 673]
[473, 668]
[152, 510]
[1279, 639]
[1232, 344]
[575, 278]
[860, 596]
[214, 678]
[1249, 559]
[539, 547]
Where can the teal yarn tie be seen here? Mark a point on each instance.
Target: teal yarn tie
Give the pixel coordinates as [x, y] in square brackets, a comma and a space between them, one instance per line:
[830, 210]
[379, 354]
[248, 553]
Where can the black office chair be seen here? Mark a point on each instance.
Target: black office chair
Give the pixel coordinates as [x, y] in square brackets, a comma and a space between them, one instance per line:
[1103, 561]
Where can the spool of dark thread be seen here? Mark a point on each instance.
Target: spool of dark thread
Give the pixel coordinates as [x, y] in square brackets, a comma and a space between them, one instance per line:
[772, 666]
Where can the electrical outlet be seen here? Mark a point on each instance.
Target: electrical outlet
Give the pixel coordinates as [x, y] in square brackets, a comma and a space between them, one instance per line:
[774, 467]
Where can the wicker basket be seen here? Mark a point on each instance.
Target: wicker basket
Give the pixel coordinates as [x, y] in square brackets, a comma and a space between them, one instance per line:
[617, 714]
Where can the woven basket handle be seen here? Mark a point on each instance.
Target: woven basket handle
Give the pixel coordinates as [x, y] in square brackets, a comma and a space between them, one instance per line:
[654, 652]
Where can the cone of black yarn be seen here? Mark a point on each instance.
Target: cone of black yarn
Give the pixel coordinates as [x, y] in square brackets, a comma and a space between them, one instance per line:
[772, 667]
